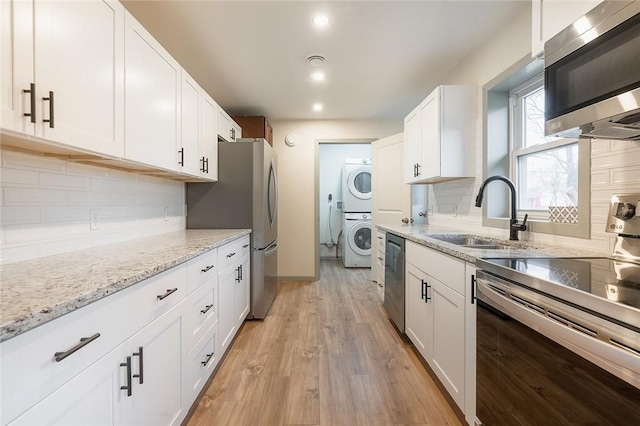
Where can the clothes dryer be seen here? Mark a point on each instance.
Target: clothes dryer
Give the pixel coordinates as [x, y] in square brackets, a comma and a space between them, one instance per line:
[356, 245]
[356, 185]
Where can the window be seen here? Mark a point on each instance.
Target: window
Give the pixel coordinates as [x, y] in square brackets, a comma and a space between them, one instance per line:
[552, 175]
[545, 169]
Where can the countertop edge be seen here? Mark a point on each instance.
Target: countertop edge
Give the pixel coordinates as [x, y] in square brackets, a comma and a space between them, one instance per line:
[30, 321]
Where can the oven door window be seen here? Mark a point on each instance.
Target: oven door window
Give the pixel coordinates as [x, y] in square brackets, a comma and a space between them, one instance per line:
[524, 378]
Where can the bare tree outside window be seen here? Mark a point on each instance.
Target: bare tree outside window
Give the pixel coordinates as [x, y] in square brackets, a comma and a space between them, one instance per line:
[547, 167]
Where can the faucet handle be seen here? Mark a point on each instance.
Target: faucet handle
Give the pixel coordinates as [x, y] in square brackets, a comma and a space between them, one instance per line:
[521, 226]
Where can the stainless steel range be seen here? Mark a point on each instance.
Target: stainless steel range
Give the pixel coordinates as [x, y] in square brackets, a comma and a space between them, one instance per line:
[558, 339]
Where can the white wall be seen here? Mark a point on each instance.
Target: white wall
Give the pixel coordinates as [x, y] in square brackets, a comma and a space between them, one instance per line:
[296, 165]
[46, 205]
[615, 165]
[331, 158]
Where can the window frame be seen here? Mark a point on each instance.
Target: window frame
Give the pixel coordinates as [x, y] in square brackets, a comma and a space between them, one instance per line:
[498, 155]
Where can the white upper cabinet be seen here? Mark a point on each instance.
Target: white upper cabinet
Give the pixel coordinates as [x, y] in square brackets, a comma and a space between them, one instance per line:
[440, 136]
[152, 105]
[189, 152]
[228, 129]
[208, 138]
[549, 17]
[72, 53]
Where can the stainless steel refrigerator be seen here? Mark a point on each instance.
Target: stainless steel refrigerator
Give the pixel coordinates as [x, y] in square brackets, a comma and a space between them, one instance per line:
[245, 196]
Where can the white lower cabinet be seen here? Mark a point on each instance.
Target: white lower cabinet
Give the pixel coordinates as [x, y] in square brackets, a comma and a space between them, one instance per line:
[155, 349]
[436, 316]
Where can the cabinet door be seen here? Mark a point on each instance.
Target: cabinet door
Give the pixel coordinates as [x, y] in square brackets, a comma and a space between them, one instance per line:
[79, 57]
[208, 138]
[226, 307]
[549, 17]
[412, 146]
[241, 296]
[417, 321]
[156, 388]
[87, 399]
[190, 125]
[16, 62]
[152, 105]
[430, 135]
[448, 339]
[224, 126]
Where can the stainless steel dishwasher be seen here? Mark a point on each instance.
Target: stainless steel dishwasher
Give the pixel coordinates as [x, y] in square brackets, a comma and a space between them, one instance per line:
[394, 280]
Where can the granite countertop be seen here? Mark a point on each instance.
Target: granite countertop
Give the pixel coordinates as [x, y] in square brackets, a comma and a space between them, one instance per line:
[36, 291]
[423, 234]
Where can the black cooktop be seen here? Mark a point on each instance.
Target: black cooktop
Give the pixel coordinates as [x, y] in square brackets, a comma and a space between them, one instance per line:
[614, 280]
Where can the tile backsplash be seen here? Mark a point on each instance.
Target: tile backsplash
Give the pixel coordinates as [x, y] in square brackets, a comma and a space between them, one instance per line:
[49, 206]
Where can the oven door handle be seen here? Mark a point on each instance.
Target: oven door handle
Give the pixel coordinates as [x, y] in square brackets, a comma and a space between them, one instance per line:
[552, 322]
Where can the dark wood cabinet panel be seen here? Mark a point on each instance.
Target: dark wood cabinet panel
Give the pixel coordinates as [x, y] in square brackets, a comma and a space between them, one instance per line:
[255, 127]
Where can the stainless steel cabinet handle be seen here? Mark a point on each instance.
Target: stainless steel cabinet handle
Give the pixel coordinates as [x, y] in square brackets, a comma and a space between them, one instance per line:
[128, 386]
[245, 246]
[207, 268]
[208, 358]
[32, 98]
[51, 103]
[380, 258]
[231, 254]
[84, 341]
[181, 151]
[417, 169]
[380, 238]
[425, 289]
[206, 309]
[239, 276]
[167, 294]
[140, 375]
[207, 164]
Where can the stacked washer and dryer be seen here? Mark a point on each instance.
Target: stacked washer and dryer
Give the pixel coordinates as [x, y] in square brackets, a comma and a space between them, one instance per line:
[356, 205]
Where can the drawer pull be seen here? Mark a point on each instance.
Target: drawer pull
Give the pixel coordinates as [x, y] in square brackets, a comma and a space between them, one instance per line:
[84, 341]
[245, 246]
[380, 258]
[167, 294]
[231, 254]
[207, 268]
[128, 386]
[380, 238]
[206, 309]
[139, 376]
[208, 358]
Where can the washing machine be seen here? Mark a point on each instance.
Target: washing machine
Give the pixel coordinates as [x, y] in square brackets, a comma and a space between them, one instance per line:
[356, 244]
[356, 185]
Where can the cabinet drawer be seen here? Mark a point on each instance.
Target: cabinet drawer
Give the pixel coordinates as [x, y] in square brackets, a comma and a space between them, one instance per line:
[380, 238]
[442, 267]
[200, 311]
[232, 253]
[200, 363]
[29, 367]
[201, 269]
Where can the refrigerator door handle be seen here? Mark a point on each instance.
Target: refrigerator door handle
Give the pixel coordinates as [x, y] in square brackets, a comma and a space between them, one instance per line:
[272, 209]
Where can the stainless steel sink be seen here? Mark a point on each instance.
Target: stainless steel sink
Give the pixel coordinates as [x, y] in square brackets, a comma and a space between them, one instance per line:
[469, 241]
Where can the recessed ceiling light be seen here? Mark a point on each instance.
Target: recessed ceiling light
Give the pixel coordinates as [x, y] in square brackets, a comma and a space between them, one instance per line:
[317, 107]
[321, 21]
[318, 76]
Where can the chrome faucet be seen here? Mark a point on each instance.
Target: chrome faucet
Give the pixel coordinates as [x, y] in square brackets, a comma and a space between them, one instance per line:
[514, 226]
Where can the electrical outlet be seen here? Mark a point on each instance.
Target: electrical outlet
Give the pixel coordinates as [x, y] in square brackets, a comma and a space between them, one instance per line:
[94, 220]
[338, 205]
[166, 213]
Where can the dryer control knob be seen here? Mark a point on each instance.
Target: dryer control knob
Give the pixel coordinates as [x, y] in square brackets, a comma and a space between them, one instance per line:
[625, 211]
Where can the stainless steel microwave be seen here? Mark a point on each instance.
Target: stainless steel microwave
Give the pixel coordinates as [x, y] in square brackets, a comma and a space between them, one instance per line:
[592, 75]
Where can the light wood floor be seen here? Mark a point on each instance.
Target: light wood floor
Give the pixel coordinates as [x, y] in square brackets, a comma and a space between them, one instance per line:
[325, 355]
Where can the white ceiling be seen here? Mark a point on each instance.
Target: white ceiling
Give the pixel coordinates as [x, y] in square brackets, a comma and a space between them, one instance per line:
[382, 57]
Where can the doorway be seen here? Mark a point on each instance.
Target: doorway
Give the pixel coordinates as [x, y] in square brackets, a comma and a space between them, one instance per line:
[330, 195]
